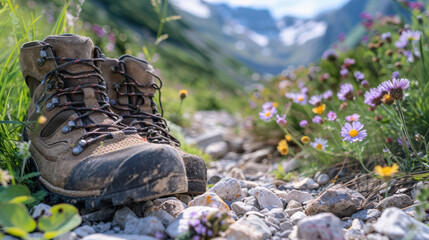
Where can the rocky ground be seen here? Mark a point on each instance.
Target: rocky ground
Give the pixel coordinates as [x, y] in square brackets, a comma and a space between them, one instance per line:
[261, 206]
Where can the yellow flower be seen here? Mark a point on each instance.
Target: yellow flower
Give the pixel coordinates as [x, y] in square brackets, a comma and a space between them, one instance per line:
[305, 139]
[386, 171]
[320, 109]
[288, 138]
[275, 104]
[282, 147]
[42, 119]
[183, 94]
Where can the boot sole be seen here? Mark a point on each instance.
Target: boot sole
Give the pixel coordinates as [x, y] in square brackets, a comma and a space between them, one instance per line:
[177, 185]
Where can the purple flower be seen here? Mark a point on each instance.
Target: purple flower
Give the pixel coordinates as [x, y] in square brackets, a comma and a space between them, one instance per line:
[268, 105]
[327, 95]
[396, 74]
[281, 120]
[98, 30]
[332, 116]
[348, 62]
[267, 114]
[365, 84]
[345, 92]
[406, 37]
[200, 229]
[365, 39]
[304, 90]
[342, 37]
[386, 36]
[317, 119]
[359, 76]
[196, 237]
[365, 15]
[401, 143]
[409, 55]
[353, 132]
[194, 222]
[303, 123]
[353, 117]
[373, 97]
[344, 71]
[315, 100]
[330, 55]
[415, 5]
[297, 97]
[395, 87]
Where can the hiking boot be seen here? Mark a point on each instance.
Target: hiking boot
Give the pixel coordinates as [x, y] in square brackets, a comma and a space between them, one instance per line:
[131, 89]
[84, 153]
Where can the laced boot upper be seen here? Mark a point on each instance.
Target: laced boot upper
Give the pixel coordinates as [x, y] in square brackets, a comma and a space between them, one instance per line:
[131, 90]
[83, 148]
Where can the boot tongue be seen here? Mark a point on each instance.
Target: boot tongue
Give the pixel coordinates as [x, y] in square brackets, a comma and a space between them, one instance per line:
[138, 69]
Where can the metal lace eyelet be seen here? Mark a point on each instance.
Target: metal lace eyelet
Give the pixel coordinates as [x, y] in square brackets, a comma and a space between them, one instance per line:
[83, 143]
[77, 150]
[49, 106]
[66, 129]
[71, 123]
[112, 102]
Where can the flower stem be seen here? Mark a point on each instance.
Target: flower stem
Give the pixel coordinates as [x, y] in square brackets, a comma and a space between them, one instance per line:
[359, 154]
[387, 189]
[404, 128]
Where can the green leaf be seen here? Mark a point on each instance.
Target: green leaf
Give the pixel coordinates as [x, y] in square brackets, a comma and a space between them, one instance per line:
[172, 18]
[15, 194]
[64, 218]
[161, 38]
[14, 218]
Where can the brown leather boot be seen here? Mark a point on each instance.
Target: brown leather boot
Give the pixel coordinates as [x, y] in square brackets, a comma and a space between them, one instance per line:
[84, 153]
[131, 89]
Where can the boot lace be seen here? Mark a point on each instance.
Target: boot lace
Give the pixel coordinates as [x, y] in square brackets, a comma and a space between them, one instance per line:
[156, 132]
[55, 78]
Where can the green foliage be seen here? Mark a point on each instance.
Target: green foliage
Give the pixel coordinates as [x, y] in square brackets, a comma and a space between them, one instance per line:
[63, 218]
[15, 220]
[280, 174]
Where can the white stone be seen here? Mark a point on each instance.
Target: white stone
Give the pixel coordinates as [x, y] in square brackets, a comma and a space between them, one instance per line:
[144, 226]
[84, 231]
[228, 189]
[210, 199]
[298, 196]
[306, 183]
[296, 217]
[217, 149]
[323, 179]
[251, 227]
[237, 173]
[40, 209]
[366, 214]
[240, 208]
[396, 224]
[160, 214]
[266, 198]
[324, 226]
[121, 216]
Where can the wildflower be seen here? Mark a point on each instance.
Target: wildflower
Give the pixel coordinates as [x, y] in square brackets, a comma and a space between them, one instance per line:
[345, 92]
[297, 98]
[330, 55]
[267, 114]
[269, 105]
[304, 90]
[399, 140]
[283, 148]
[387, 36]
[395, 87]
[288, 138]
[343, 106]
[342, 37]
[406, 37]
[319, 144]
[303, 123]
[386, 171]
[387, 99]
[5, 177]
[353, 132]
[344, 72]
[359, 76]
[317, 119]
[396, 74]
[353, 117]
[373, 97]
[320, 109]
[305, 139]
[281, 120]
[183, 94]
[348, 62]
[316, 100]
[24, 150]
[365, 84]
[332, 116]
[327, 95]
[409, 55]
[415, 5]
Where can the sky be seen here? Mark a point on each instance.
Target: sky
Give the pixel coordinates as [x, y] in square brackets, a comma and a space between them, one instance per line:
[281, 8]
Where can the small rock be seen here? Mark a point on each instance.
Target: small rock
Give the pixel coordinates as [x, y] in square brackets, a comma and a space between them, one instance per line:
[266, 198]
[355, 234]
[357, 224]
[210, 199]
[298, 196]
[84, 231]
[293, 207]
[214, 179]
[323, 179]
[398, 200]
[159, 201]
[277, 213]
[296, 217]
[217, 149]
[173, 207]
[100, 236]
[184, 198]
[160, 214]
[395, 224]
[237, 173]
[324, 226]
[103, 227]
[228, 189]
[122, 215]
[376, 236]
[144, 226]
[208, 138]
[286, 225]
[366, 214]
[252, 201]
[240, 208]
[65, 236]
[306, 183]
[339, 201]
[40, 210]
[251, 227]
[248, 184]
[257, 156]
[258, 214]
[100, 215]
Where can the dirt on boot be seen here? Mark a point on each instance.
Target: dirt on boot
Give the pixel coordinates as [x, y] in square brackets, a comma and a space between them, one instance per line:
[131, 89]
[84, 153]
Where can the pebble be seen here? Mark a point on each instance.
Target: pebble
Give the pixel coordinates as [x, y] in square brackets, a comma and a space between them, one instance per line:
[160, 214]
[286, 225]
[293, 207]
[84, 230]
[228, 189]
[306, 183]
[123, 215]
[144, 226]
[323, 226]
[173, 207]
[40, 210]
[296, 217]
[240, 208]
[366, 214]
[210, 199]
[342, 202]
[100, 215]
[398, 200]
[217, 149]
[299, 196]
[266, 198]
[323, 179]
